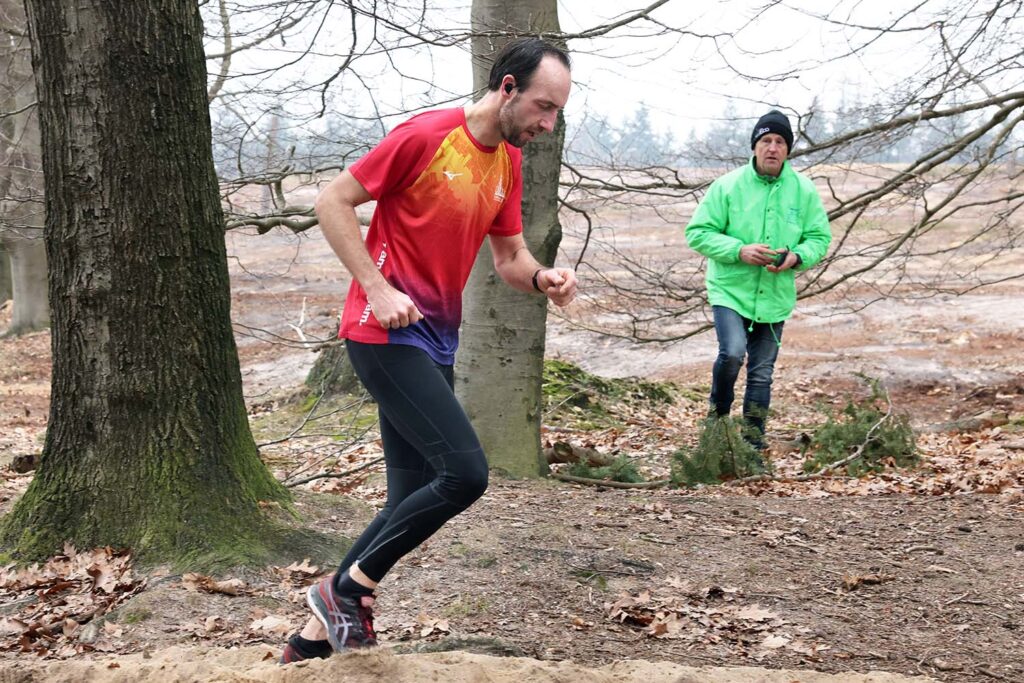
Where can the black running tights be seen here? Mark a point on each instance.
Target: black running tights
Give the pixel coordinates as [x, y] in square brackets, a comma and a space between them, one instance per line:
[435, 465]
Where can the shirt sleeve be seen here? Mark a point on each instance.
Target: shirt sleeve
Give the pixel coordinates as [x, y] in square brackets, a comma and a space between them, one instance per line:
[706, 231]
[509, 220]
[816, 233]
[397, 161]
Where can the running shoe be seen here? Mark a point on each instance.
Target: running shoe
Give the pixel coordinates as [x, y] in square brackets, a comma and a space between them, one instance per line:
[349, 623]
[314, 649]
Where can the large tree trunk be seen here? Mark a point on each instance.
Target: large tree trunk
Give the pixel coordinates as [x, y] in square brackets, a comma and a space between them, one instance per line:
[501, 355]
[147, 445]
[23, 276]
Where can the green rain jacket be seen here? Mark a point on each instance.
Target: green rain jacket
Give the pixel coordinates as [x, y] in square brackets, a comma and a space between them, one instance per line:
[743, 207]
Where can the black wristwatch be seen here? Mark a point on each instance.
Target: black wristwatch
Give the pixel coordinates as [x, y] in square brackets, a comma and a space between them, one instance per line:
[535, 285]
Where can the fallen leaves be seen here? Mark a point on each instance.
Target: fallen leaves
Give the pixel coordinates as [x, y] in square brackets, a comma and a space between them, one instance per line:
[273, 624]
[774, 642]
[207, 584]
[429, 625]
[755, 613]
[297, 573]
[580, 624]
[76, 588]
[852, 582]
[709, 615]
[303, 567]
[63, 594]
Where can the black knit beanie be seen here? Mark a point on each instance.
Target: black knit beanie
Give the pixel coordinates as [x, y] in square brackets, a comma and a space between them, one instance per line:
[773, 122]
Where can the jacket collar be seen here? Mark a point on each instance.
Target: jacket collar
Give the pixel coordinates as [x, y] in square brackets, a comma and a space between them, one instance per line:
[767, 179]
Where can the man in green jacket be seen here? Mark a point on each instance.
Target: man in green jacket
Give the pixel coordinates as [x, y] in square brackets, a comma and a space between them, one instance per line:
[757, 225]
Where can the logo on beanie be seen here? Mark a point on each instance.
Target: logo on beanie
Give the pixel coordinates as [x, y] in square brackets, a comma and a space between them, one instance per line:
[762, 131]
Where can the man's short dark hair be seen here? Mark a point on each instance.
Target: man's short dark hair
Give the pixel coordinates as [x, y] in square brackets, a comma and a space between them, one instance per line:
[520, 58]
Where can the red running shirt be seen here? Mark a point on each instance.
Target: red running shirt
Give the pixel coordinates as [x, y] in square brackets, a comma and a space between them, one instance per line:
[439, 192]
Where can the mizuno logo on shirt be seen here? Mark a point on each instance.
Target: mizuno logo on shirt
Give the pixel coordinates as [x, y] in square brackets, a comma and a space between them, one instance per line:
[451, 175]
[499, 191]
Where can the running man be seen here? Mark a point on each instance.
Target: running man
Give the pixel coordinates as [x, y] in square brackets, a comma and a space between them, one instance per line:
[443, 181]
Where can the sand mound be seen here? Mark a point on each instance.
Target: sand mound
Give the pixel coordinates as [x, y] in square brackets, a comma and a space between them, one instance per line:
[189, 665]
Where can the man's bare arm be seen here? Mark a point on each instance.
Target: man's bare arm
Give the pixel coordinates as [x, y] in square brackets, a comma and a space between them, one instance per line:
[336, 210]
[517, 266]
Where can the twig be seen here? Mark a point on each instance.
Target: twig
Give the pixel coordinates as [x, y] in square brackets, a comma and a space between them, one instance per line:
[302, 321]
[780, 480]
[302, 424]
[610, 484]
[956, 599]
[561, 403]
[594, 571]
[801, 544]
[652, 539]
[352, 441]
[960, 598]
[336, 475]
[14, 605]
[767, 595]
[80, 619]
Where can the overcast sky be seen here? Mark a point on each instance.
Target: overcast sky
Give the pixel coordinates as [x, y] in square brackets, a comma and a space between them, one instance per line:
[789, 57]
[686, 81]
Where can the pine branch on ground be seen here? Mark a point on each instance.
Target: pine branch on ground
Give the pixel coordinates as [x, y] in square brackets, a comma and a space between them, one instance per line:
[721, 454]
[621, 469]
[867, 434]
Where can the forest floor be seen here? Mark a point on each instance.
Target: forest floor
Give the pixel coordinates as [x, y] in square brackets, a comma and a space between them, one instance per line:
[913, 572]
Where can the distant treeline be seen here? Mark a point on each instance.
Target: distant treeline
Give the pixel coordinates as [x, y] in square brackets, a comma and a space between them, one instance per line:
[244, 151]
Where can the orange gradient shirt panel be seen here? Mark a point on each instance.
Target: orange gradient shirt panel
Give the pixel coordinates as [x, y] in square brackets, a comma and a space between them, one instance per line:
[439, 192]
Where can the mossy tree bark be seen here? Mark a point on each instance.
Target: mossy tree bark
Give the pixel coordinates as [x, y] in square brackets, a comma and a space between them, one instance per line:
[501, 354]
[332, 372]
[23, 267]
[6, 290]
[148, 445]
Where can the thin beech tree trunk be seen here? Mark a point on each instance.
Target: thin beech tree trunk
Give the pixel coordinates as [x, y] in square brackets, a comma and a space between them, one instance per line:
[6, 290]
[21, 179]
[501, 354]
[28, 283]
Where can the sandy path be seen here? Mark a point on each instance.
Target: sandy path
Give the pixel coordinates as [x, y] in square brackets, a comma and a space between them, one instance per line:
[252, 664]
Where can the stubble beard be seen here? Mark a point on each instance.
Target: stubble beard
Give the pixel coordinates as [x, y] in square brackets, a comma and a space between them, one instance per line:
[512, 133]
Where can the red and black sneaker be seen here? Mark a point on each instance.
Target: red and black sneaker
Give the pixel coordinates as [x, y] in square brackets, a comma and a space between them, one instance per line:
[298, 649]
[366, 611]
[348, 619]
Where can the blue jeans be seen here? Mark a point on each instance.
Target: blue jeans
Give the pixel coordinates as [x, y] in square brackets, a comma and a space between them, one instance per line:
[760, 344]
